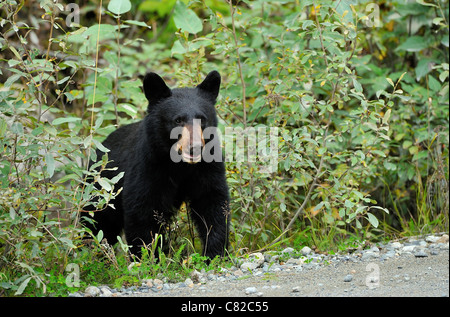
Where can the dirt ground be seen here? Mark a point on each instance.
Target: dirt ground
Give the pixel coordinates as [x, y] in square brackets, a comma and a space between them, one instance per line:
[404, 276]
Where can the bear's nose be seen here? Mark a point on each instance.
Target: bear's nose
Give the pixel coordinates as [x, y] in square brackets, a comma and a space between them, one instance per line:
[195, 148]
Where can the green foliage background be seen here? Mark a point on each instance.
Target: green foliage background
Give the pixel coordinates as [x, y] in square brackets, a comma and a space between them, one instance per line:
[357, 89]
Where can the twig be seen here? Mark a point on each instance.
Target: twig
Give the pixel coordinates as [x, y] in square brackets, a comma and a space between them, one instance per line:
[320, 35]
[244, 97]
[116, 79]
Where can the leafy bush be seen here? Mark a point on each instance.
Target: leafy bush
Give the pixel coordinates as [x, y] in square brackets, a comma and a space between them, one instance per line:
[354, 93]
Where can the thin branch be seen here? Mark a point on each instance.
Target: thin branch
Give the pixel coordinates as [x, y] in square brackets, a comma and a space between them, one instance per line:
[241, 75]
[320, 35]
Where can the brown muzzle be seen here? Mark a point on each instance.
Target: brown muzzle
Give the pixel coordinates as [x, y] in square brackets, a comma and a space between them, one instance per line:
[191, 143]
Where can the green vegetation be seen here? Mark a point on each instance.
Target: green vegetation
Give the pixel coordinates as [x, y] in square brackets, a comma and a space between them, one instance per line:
[357, 89]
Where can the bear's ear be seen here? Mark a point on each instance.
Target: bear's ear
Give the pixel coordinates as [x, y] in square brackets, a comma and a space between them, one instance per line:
[211, 84]
[155, 88]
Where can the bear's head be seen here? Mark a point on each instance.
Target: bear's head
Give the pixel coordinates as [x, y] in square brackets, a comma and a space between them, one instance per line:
[182, 114]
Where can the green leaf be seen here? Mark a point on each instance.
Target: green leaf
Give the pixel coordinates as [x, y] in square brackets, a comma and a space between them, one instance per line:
[12, 79]
[102, 32]
[22, 286]
[381, 208]
[420, 155]
[389, 166]
[50, 163]
[178, 48]
[422, 2]
[100, 146]
[386, 117]
[414, 149]
[62, 81]
[119, 6]
[100, 236]
[413, 44]
[13, 49]
[349, 204]
[104, 183]
[406, 144]
[443, 76]
[68, 242]
[373, 220]
[390, 81]
[138, 23]
[186, 19]
[424, 66]
[357, 85]
[378, 152]
[116, 178]
[58, 121]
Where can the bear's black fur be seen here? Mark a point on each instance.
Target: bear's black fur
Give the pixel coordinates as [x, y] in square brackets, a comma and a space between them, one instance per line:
[154, 186]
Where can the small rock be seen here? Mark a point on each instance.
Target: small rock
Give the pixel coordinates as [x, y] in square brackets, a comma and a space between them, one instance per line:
[288, 251]
[396, 245]
[443, 239]
[431, 239]
[195, 276]
[294, 261]
[148, 283]
[105, 292]
[248, 266]
[296, 289]
[374, 249]
[158, 284]
[92, 291]
[370, 255]
[408, 248]
[250, 290]
[157, 281]
[306, 251]
[388, 255]
[254, 261]
[188, 282]
[373, 280]
[274, 259]
[238, 273]
[420, 254]
[348, 278]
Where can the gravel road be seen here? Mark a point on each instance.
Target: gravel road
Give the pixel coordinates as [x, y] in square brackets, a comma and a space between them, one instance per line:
[403, 276]
[415, 267]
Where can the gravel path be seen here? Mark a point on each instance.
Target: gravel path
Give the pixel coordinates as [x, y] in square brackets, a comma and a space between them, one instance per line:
[414, 267]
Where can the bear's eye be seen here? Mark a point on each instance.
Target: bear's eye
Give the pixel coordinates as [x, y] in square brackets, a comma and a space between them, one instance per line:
[178, 120]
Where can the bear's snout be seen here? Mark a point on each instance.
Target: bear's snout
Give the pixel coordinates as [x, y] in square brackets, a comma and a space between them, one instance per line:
[191, 143]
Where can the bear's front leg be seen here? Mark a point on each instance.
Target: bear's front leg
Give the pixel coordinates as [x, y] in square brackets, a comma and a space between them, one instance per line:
[141, 229]
[212, 220]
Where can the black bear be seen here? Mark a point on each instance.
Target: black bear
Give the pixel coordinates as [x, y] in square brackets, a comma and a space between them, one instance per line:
[161, 156]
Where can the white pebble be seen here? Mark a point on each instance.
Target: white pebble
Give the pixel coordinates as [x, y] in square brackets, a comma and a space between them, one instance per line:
[306, 251]
[250, 290]
[92, 291]
[409, 248]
